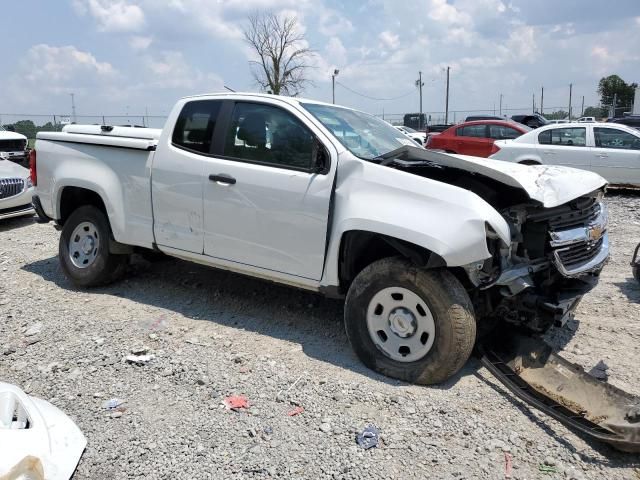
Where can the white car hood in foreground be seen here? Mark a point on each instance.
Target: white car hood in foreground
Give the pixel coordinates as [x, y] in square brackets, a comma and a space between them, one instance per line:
[9, 169]
[550, 185]
[5, 135]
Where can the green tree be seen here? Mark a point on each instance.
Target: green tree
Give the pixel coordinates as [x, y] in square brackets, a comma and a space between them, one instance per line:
[558, 115]
[612, 86]
[26, 128]
[597, 112]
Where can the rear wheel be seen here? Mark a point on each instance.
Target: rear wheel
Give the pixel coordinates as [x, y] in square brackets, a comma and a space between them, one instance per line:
[409, 323]
[84, 249]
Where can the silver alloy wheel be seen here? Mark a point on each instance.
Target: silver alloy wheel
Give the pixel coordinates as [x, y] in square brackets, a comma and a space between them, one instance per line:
[400, 324]
[83, 245]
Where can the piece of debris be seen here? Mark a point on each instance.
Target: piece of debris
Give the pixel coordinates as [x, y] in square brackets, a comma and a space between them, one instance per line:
[195, 341]
[36, 437]
[295, 411]
[99, 341]
[236, 402]
[139, 359]
[34, 329]
[32, 340]
[600, 371]
[547, 468]
[112, 403]
[633, 415]
[139, 350]
[508, 465]
[369, 437]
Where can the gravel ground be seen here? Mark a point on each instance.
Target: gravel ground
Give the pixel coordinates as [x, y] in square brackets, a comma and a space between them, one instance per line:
[215, 334]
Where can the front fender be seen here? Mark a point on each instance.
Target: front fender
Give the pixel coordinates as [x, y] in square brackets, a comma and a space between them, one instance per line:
[442, 218]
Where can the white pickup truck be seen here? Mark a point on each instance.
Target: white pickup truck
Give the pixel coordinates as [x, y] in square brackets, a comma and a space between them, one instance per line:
[429, 249]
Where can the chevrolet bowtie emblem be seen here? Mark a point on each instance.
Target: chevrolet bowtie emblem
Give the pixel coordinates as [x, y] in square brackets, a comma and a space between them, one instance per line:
[595, 232]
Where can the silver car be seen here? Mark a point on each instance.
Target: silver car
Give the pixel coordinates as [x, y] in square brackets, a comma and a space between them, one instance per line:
[16, 189]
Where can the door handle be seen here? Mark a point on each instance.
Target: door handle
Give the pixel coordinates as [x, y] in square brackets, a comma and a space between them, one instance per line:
[549, 152]
[602, 155]
[223, 178]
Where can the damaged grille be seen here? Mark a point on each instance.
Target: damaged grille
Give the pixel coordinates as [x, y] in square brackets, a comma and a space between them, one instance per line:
[575, 235]
[10, 187]
[579, 253]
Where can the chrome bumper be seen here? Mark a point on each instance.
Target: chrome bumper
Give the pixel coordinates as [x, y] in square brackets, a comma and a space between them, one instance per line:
[582, 250]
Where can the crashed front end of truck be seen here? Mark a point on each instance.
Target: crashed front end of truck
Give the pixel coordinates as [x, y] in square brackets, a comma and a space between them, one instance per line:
[554, 258]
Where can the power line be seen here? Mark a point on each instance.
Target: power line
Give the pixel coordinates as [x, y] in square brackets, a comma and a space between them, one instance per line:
[374, 98]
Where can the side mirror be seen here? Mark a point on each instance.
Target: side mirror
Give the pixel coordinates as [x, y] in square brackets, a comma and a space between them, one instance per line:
[321, 158]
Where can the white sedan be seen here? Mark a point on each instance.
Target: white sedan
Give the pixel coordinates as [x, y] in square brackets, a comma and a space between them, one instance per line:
[16, 189]
[609, 149]
[420, 137]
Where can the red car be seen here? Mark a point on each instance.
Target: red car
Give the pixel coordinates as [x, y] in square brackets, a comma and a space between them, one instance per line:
[475, 138]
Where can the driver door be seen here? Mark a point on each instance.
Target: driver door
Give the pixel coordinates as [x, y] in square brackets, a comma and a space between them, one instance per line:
[265, 205]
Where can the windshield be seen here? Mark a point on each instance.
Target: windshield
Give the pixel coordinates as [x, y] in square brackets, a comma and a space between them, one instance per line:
[364, 135]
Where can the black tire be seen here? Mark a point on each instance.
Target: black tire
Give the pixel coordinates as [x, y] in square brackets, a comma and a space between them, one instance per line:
[636, 272]
[450, 306]
[106, 267]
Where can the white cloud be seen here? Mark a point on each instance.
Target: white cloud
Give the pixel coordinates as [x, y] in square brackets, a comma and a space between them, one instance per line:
[441, 11]
[113, 15]
[171, 70]
[332, 23]
[389, 40]
[63, 65]
[336, 52]
[140, 42]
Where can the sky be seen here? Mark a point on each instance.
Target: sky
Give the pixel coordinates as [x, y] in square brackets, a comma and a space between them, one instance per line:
[136, 56]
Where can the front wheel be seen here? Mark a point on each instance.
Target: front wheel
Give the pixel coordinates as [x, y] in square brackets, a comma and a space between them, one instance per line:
[409, 323]
[84, 249]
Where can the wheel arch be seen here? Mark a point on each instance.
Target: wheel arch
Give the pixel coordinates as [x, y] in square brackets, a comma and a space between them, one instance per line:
[359, 249]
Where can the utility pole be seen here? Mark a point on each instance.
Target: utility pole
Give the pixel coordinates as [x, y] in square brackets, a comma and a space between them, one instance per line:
[333, 84]
[582, 110]
[420, 84]
[570, 92]
[500, 104]
[542, 102]
[73, 108]
[613, 107]
[446, 105]
[533, 106]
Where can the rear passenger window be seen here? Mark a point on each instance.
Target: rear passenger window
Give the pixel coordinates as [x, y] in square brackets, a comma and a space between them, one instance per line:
[500, 132]
[571, 137]
[261, 133]
[479, 131]
[195, 124]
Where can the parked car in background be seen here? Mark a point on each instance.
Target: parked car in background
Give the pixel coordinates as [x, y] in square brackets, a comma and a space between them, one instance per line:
[420, 137]
[534, 120]
[611, 150]
[554, 122]
[586, 120]
[16, 189]
[473, 118]
[14, 145]
[630, 121]
[475, 138]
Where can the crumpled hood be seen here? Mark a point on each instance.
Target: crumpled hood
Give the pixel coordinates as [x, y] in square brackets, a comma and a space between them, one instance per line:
[9, 169]
[550, 185]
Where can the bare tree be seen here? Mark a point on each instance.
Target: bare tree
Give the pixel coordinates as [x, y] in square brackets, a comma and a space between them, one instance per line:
[283, 58]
